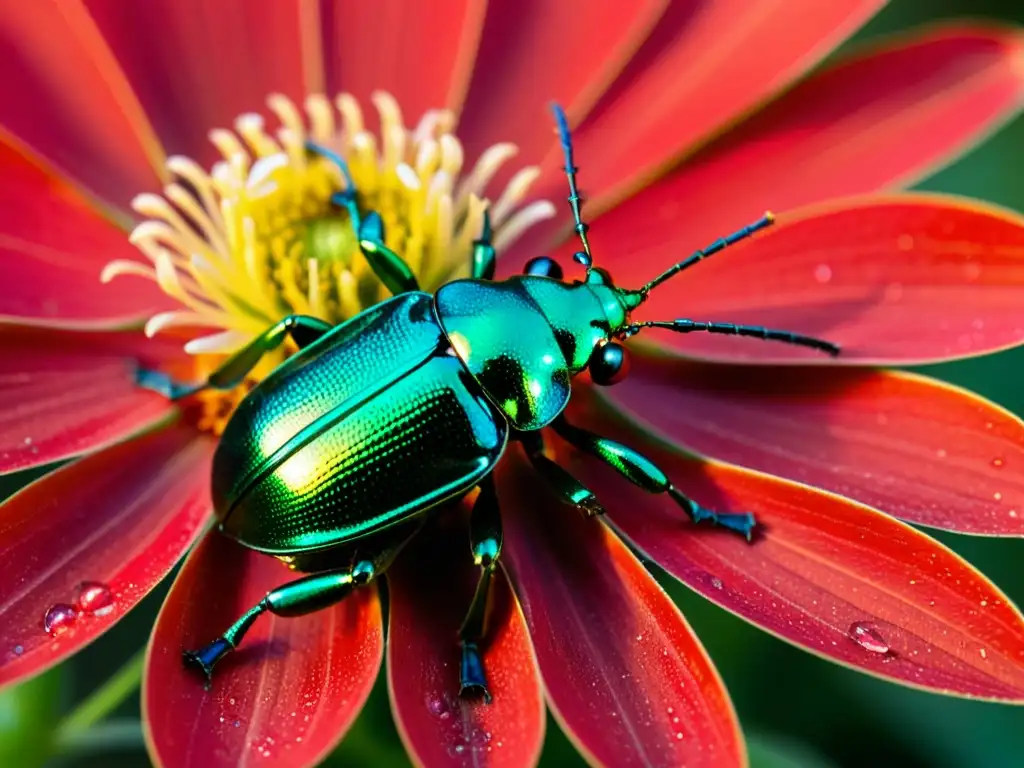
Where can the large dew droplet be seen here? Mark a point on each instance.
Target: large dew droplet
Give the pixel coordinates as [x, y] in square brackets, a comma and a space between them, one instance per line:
[59, 618]
[868, 638]
[94, 597]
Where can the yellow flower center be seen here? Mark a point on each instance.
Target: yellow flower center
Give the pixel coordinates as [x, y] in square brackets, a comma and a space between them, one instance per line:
[257, 237]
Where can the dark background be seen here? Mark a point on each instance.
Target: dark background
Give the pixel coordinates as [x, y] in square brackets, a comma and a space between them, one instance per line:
[796, 709]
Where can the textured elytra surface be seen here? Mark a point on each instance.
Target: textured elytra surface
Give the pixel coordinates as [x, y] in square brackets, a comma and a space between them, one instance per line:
[356, 433]
[351, 358]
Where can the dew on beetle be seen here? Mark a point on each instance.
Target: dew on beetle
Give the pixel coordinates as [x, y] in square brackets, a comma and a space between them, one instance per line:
[867, 638]
[59, 618]
[95, 597]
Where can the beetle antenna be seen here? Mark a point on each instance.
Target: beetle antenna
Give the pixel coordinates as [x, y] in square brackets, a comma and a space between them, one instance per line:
[565, 138]
[721, 244]
[732, 329]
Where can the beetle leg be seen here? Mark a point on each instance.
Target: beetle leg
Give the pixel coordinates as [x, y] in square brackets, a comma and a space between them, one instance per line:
[485, 540]
[386, 264]
[306, 595]
[483, 256]
[643, 473]
[559, 478]
[302, 329]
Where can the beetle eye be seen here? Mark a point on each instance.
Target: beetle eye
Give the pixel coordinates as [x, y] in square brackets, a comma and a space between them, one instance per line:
[609, 364]
[543, 266]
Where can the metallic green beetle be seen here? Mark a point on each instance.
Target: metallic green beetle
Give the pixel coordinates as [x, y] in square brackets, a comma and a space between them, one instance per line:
[332, 462]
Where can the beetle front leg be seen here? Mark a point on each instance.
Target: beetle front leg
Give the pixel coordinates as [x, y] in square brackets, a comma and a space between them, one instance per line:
[302, 329]
[645, 474]
[485, 540]
[483, 257]
[386, 264]
[559, 478]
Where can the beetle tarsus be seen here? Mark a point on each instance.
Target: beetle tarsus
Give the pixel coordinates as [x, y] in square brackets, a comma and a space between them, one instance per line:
[472, 680]
[742, 523]
[161, 383]
[206, 657]
[590, 506]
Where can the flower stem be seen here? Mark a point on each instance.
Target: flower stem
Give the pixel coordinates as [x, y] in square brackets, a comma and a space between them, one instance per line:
[72, 729]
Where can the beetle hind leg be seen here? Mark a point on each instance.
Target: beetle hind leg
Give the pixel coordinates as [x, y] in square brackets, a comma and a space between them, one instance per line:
[295, 598]
[485, 539]
[303, 596]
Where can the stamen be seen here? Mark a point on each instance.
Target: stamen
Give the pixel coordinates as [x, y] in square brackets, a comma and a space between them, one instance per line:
[257, 237]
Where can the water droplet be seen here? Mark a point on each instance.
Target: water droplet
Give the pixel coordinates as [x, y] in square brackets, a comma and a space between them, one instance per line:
[95, 597]
[59, 618]
[823, 273]
[972, 271]
[437, 707]
[18, 650]
[941, 453]
[456, 749]
[997, 496]
[905, 242]
[998, 462]
[237, 723]
[679, 736]
[867, 638]
[983, 653]
[28, 441]
[480, 738]
[717, 584]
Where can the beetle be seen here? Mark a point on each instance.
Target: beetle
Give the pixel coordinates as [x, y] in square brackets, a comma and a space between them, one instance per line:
[335, 459]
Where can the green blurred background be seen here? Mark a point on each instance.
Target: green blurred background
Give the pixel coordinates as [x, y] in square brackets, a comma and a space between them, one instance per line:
[797, 710]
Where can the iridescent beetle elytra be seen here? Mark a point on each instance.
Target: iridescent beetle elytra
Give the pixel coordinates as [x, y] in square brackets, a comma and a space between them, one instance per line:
[335, 459]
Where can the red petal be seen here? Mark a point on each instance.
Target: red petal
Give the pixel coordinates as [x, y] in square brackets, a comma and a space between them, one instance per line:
[624, 673]
[53, 246]
[898, 280]
[841, 580]
[515, 76]
[699, 71]
[875, 120]
[430, 589]
[290, 691]
[65, 96]
[197, 65]
[70, 393]
[422, 53]
[120, 518]
[917, 449]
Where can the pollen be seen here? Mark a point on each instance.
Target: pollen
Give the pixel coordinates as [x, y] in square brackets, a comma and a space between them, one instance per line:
[257, 236]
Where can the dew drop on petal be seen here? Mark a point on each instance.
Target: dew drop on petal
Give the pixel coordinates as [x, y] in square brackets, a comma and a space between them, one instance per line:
[95, 597]
[867, 638]
[998, 462]
[59, 618]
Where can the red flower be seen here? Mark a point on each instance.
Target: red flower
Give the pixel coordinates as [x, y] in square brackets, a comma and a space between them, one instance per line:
[826, 457]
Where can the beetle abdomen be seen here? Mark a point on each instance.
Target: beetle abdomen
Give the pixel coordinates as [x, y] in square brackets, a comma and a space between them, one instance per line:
[395, 426]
